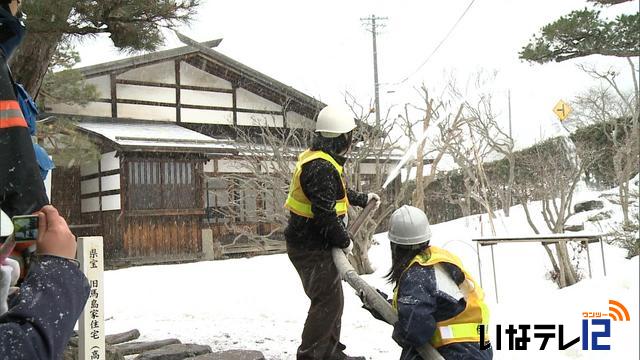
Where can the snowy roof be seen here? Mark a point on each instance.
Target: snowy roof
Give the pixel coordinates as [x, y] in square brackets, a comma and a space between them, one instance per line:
[165, 136]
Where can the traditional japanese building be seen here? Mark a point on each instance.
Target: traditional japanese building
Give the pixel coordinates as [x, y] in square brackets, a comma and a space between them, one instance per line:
[165, 125]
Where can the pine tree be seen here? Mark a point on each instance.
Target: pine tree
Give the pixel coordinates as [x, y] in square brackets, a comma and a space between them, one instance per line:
[132, 25]
[64, 85]
[583, 33]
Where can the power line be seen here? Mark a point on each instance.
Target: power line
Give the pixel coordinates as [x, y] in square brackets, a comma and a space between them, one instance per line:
[439, 44]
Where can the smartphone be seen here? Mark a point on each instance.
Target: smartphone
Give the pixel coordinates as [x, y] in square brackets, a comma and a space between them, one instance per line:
[25, 228]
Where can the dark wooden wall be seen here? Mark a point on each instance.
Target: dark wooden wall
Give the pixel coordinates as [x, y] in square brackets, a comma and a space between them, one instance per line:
[65, 193]
[163, 236]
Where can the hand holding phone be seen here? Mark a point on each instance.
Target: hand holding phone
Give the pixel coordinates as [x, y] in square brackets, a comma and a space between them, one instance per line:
[54, 236]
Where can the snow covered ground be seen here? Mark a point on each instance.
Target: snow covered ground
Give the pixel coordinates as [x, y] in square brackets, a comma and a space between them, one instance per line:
[258, 303]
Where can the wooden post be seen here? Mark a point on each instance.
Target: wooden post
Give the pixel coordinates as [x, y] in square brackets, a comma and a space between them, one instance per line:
[586, 244]
[479, 263]
[91, 329]
[495, 281]
[604, 267]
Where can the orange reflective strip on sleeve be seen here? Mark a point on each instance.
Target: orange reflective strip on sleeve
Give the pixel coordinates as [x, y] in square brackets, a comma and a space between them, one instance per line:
[12, 122]
[11, 114]
[9, 105]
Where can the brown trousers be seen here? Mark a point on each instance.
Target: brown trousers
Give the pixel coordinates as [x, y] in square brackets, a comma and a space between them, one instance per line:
[321, 283]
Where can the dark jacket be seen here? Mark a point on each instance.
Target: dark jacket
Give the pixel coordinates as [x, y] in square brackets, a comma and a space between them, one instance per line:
[322, 185]
[42, 315]
[421, 305]
[21, 188]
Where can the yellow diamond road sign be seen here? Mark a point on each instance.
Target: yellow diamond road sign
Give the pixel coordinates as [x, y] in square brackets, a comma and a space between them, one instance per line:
[562, 110]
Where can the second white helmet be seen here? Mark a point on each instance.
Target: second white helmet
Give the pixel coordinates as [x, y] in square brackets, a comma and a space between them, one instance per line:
[409, 226]
[334, 121]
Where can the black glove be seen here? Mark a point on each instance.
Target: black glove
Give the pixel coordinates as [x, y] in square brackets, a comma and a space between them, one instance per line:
[369, 308]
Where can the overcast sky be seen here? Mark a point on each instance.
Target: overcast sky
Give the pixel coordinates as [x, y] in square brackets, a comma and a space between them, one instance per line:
[323, 49]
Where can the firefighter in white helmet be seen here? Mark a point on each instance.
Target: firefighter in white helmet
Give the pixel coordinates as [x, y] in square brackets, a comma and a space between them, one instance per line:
[436, 298]
[318, 201]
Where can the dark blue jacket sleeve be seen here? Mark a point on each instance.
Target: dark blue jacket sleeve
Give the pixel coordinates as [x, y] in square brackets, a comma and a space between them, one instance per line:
[417, 304]
[42, 315]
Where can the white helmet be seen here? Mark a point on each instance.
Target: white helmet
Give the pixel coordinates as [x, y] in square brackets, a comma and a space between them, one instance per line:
[409, 226]
[6, 225]
[334, 121]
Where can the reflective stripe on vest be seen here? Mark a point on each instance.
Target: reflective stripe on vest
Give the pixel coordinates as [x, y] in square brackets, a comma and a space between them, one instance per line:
[297, 202]
[464, 327]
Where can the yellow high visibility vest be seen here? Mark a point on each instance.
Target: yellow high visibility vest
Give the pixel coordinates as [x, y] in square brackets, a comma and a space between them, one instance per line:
[464, 327]
[297, 202]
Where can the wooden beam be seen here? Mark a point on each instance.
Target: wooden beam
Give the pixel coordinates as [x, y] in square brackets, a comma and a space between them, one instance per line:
[198, 107]
[114, 96]
[100, 194]
[177, 73]
[97, 175]
[173, 86]
[234, 100]
[165, 212]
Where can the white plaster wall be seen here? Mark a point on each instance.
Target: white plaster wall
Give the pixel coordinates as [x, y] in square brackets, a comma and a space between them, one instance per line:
[206, 116]
[89, 186]
[163, 73]
[297, 121]
[111, 182]
[90, 205]
[90, 109]
[248, 100]
[89, 169]
[233, 166]
[147, 112]
[102, 84]
[370, 169]
[190, 75]
[146, 93]
[207, 98]
[247, 119]
[209, 166]
[111, 202]
[109, 161]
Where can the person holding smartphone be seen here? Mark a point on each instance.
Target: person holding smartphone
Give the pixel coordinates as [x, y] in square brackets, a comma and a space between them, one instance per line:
[44, 310]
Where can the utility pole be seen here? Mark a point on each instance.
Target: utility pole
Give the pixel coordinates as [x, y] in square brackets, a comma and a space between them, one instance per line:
[373, 28]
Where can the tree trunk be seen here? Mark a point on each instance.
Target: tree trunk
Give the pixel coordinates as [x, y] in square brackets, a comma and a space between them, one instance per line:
[31, 62]
[623, 193]
[552, 258]
[564, 262]
[510, 181]
[360, 257]
[418, 194]
[526, 212]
